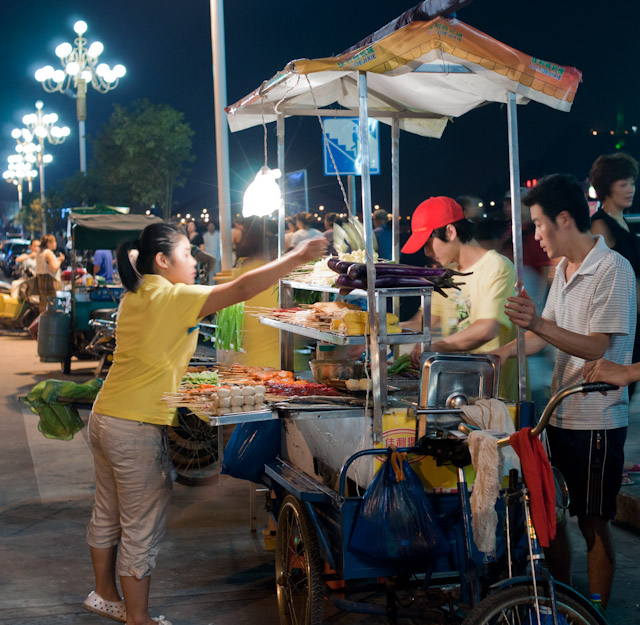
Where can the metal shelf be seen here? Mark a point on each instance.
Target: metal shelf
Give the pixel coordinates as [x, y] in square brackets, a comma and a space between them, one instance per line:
[241, 417]
[397, 292]
[405, 337]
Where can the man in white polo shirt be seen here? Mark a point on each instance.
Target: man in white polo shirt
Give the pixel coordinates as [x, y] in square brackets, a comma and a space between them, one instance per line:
[590, 313]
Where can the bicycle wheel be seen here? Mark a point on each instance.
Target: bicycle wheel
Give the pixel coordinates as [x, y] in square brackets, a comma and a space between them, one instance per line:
[298, 566]
[515, 605]
[193, 446]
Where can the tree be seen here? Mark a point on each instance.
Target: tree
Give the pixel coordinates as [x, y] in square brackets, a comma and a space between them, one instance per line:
[30, 216]
[141, 155]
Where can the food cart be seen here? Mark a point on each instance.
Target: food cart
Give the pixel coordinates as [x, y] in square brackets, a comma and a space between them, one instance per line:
[414, 74]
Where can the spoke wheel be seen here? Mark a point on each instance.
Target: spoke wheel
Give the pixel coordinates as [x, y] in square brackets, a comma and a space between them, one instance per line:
[298, 566]
[193, 445]
[516, 606]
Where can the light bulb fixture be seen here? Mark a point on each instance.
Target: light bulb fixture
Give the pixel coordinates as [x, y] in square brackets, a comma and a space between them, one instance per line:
[80, 68]
[262, 196]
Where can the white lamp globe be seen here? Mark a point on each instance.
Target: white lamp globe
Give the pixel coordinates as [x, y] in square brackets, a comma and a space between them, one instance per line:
[63, 50]
[72, 68]
[96, 49]
[58, 76]
[80, 27]
[119, 70]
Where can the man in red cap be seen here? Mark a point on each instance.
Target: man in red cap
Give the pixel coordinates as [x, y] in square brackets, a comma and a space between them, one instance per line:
[472, 319]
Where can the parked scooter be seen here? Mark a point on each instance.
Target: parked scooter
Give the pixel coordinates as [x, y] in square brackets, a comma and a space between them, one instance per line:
[19, 303]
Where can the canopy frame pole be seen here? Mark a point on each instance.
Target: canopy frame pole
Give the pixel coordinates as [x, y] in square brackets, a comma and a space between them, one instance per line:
[395, 208]
[395, 188]
[281, 183]
[285, 299]
[379, 376]
[516, 233]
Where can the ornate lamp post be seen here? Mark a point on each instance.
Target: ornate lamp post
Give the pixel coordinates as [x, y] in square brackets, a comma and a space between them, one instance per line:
[38, 127]
[80, 68]
[18, 170]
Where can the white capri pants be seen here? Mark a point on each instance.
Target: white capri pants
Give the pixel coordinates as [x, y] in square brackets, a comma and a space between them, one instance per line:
[133, 489]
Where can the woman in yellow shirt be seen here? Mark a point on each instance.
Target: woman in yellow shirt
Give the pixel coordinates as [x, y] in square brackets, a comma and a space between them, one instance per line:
[156, 336]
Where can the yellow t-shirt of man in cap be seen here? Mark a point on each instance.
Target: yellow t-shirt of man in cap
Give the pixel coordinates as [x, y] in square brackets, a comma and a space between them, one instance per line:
[482, 296]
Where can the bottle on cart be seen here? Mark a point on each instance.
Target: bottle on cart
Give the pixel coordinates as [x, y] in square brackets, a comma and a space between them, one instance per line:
[596, 602]
[546, 617]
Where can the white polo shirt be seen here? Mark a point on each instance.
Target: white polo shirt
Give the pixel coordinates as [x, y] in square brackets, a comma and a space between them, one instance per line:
[599, 297]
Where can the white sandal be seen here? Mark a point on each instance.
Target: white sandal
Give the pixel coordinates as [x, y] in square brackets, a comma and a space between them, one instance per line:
[111, 609]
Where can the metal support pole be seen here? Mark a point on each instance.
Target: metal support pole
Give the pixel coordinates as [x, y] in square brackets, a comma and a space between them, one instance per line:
[281, 183]
[43, 212]
[81, 112]
[351, 195]
[378, 400]
[221, 129]
[516, 232]
[285, 295]
[395, 188]
[395, 208]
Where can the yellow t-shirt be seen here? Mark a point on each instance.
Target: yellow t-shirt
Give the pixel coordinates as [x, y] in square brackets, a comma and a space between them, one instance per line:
[482, 296]
[155, 338]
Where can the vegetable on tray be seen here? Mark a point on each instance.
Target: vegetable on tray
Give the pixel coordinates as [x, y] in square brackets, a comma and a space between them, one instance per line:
[391, 275]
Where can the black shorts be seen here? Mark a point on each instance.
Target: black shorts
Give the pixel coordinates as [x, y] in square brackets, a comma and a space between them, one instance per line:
[591, 462]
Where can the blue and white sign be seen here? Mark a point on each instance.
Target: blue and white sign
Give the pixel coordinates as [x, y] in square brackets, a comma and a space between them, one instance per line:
[343, 138]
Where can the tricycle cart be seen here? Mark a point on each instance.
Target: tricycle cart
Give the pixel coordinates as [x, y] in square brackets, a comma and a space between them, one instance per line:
[414, 74]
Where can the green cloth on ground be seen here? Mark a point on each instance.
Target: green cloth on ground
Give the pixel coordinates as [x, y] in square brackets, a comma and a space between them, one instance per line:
[60, 419]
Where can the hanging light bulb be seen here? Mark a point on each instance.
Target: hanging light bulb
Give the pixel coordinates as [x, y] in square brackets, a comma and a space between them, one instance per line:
[262, 196]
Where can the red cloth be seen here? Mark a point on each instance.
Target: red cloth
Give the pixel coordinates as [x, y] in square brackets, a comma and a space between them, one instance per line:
[538, 477]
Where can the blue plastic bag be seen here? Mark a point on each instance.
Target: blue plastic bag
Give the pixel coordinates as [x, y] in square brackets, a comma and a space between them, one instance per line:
[251, 446]
[395, 521]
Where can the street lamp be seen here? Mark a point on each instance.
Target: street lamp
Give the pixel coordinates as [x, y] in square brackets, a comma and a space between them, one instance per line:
[38, 127]
[18, 170]
[80, 68]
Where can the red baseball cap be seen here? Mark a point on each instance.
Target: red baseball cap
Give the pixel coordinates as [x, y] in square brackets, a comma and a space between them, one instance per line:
[433, 213]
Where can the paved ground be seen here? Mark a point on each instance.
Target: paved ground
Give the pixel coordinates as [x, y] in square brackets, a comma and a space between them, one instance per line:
[212, 569]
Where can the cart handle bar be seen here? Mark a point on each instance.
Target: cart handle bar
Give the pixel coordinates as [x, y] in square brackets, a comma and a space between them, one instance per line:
[380, 451]
[585, 387]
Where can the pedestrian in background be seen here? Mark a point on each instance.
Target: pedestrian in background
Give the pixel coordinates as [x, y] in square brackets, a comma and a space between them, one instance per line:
[384, 234]
[48, 270]
[156, 336]
[613, 177]
[211, 240]
[306, 228]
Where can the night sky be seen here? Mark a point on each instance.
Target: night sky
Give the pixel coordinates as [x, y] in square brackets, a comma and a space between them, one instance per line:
[165, 46]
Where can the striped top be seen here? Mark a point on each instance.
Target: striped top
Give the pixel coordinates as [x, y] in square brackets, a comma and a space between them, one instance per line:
[599, 297]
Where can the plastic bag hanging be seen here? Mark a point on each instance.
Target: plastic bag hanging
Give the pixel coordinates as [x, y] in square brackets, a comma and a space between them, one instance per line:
[395, 521]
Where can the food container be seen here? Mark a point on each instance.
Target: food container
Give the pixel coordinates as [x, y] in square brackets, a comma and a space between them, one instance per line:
[324, 371]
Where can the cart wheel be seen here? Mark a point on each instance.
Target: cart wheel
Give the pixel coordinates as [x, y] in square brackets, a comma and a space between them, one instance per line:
[193, 445]
[298, 566]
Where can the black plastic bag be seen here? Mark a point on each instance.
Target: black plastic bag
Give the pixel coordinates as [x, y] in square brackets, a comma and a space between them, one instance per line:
[395, 521]
[251, 446]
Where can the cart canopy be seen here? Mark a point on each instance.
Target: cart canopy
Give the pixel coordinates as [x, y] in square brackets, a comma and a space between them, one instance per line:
[423, 72]
[107, 231]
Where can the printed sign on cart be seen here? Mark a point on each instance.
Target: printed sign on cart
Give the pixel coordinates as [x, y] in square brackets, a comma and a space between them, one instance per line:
[343, 138]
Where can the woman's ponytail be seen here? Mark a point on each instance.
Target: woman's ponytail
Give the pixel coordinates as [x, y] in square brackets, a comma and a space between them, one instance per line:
[128, 273]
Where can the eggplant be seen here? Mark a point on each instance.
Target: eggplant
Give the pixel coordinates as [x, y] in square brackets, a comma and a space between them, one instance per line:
[344, 281]
[339, 266]
[357, 271]
[390, 282]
